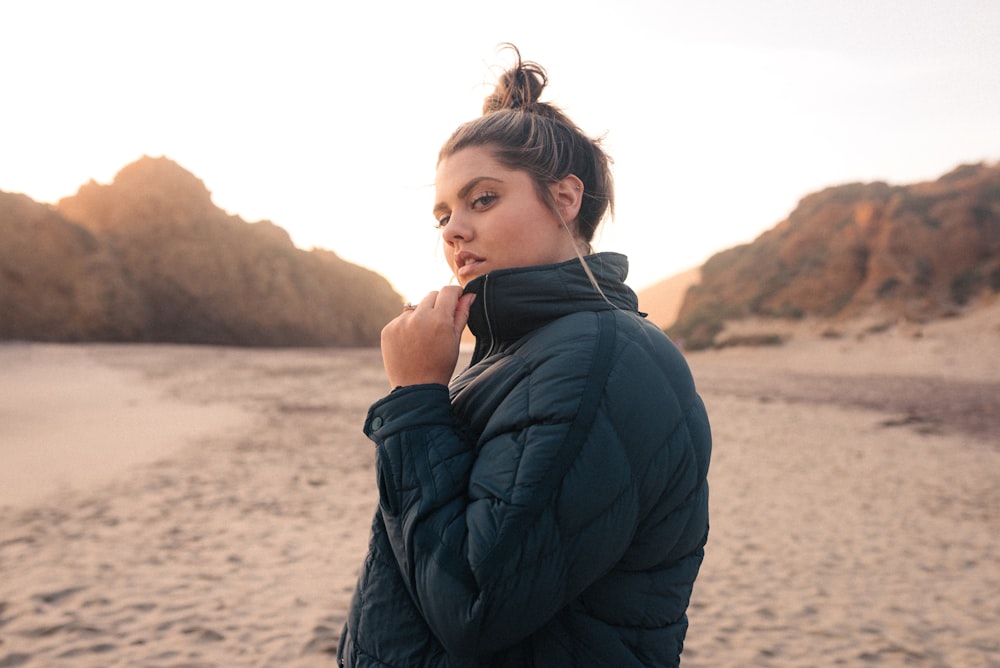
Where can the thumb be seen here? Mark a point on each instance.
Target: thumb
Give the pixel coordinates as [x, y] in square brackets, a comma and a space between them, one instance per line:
[462, 312]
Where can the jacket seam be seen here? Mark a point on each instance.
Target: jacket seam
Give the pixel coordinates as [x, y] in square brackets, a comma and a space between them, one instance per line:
[590, 399]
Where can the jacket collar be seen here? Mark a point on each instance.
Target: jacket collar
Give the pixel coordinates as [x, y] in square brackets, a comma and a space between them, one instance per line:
[513, 302]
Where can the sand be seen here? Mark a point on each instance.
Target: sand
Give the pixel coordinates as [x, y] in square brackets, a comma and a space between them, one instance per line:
[67, 421]
[845, 531]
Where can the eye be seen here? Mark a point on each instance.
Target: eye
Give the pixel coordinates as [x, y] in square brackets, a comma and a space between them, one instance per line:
[442, 222]
[484, 200]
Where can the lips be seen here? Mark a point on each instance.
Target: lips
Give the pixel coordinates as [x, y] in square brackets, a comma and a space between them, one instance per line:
[467, 265]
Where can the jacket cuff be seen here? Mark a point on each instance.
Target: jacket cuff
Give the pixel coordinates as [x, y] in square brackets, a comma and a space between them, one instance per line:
[408, 407]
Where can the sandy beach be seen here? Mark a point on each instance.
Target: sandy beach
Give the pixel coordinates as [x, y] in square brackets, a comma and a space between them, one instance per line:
[197, 506]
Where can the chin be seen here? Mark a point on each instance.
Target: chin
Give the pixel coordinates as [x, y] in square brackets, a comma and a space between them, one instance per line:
[468, 278]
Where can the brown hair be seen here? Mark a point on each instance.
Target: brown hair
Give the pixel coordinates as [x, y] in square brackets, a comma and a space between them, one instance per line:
[540, 139]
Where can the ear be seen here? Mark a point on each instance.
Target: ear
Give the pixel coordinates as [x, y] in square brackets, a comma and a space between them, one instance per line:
[568, 196]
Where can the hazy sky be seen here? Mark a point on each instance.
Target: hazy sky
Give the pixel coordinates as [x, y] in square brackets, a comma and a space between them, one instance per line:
[326, 117]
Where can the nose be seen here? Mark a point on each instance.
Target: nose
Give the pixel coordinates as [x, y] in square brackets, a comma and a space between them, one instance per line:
[457, 229]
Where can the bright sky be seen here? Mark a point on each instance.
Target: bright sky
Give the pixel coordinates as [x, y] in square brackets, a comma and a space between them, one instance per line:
[326, 117]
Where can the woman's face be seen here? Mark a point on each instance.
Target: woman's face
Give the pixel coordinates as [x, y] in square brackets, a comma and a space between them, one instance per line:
[491, 217]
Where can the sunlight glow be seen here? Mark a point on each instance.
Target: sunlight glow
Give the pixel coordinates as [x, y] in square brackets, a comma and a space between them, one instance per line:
[327, 119]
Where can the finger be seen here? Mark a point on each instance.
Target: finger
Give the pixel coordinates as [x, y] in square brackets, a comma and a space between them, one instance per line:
[447, 298]
[462, 310]
[429, 300]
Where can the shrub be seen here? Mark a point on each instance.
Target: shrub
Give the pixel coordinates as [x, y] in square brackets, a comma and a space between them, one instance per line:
[965, 286]
[751, 340]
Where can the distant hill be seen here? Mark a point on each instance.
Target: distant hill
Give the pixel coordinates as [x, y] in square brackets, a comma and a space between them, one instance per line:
[662, 301]
[912, 253]
[150, 258]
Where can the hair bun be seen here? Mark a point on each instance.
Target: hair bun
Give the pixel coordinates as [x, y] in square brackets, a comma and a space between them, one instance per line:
[519, 87]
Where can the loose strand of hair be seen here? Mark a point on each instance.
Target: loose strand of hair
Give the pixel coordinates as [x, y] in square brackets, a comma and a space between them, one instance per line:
[582, 259]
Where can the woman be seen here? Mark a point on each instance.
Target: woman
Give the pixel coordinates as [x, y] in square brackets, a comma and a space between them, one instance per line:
[549, 505]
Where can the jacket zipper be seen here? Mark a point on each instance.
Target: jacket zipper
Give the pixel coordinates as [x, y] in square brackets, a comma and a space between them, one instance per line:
[489, 318]
[482, 350]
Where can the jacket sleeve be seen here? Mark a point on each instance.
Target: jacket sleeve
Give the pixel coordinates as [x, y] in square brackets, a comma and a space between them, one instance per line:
[492, 545]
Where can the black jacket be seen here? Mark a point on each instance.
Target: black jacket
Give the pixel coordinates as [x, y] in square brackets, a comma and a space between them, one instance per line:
[549, 507]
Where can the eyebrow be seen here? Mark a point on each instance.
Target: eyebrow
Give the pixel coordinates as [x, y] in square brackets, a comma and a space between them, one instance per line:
[464, 191]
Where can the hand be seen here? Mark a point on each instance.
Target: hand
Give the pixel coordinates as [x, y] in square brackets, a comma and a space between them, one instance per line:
[421, 345]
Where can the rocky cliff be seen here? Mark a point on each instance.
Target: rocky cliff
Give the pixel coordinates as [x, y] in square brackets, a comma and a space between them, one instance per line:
[915, 253]
[151, 258]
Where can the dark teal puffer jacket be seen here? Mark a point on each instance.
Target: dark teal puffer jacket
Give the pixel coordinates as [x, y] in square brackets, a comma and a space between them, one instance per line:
[550, 507]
